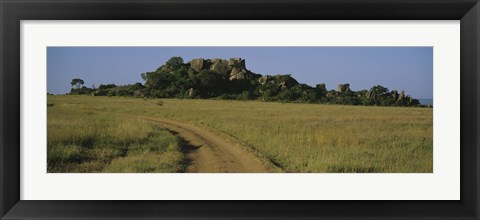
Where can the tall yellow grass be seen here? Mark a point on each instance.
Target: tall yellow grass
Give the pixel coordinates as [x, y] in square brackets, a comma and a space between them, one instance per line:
[295, 137]
[82, 139]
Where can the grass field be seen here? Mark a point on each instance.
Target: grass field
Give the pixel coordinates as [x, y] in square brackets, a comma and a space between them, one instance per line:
[96, 134]
[82, 139]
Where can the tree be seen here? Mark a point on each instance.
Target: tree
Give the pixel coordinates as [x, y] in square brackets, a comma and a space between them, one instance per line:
[209, 83]
[77, 83]
[379, 90]
[175, 62]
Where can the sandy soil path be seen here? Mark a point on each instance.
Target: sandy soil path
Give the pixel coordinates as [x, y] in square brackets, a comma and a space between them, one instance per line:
[207, 152]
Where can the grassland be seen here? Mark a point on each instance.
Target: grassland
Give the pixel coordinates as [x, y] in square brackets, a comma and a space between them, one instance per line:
[95, 134]
[81, 139]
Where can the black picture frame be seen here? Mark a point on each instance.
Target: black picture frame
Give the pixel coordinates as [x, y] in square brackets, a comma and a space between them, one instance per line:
[13, 11]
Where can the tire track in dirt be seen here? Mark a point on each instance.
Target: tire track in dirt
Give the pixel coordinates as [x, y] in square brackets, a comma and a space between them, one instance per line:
[207, 152]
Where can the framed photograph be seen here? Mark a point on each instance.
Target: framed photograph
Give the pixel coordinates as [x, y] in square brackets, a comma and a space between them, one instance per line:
[239, 109]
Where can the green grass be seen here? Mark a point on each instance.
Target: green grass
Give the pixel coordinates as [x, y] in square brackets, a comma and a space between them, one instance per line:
[296, 137]
[81, 139]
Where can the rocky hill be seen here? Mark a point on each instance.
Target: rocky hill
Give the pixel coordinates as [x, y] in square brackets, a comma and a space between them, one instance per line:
[230, 79]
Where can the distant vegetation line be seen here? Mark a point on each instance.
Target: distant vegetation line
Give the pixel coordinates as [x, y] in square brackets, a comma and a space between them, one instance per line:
[230, 79]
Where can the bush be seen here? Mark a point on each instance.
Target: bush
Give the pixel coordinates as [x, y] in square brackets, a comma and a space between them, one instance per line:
[81, 91]
[226, 96]
[245, 95]
[175, 62]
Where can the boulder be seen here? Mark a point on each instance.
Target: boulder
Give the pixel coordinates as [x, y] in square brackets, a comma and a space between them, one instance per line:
[191, 72]
[197, 64]
[191, 92]
[401, 96]
[237, 63]
[167, 67]
[234, 68]
[344, 88]
[330, 95]
[238, 74]
[394, 94]
[286, 81]
[220, 66]
[264, 79]
[372, 95]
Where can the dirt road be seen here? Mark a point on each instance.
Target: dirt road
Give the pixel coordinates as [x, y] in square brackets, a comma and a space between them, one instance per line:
[207, 152]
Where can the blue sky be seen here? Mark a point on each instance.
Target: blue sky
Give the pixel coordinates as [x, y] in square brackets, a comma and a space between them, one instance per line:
[401, 68]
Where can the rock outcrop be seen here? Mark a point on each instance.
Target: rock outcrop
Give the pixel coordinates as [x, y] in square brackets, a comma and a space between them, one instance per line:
[197, 64]
[230, 79]
[233, 69]
[284, 81]
[220, 66]
[264, 79]
[344, 88]
[372, 95]
[394, 94]
[238, 74]
[237, 62]
[401, 96]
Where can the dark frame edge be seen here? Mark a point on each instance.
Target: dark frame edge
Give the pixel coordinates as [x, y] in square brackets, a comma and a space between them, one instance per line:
[469, 62]
[3, 207]
[12, 208]
[9, 135]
